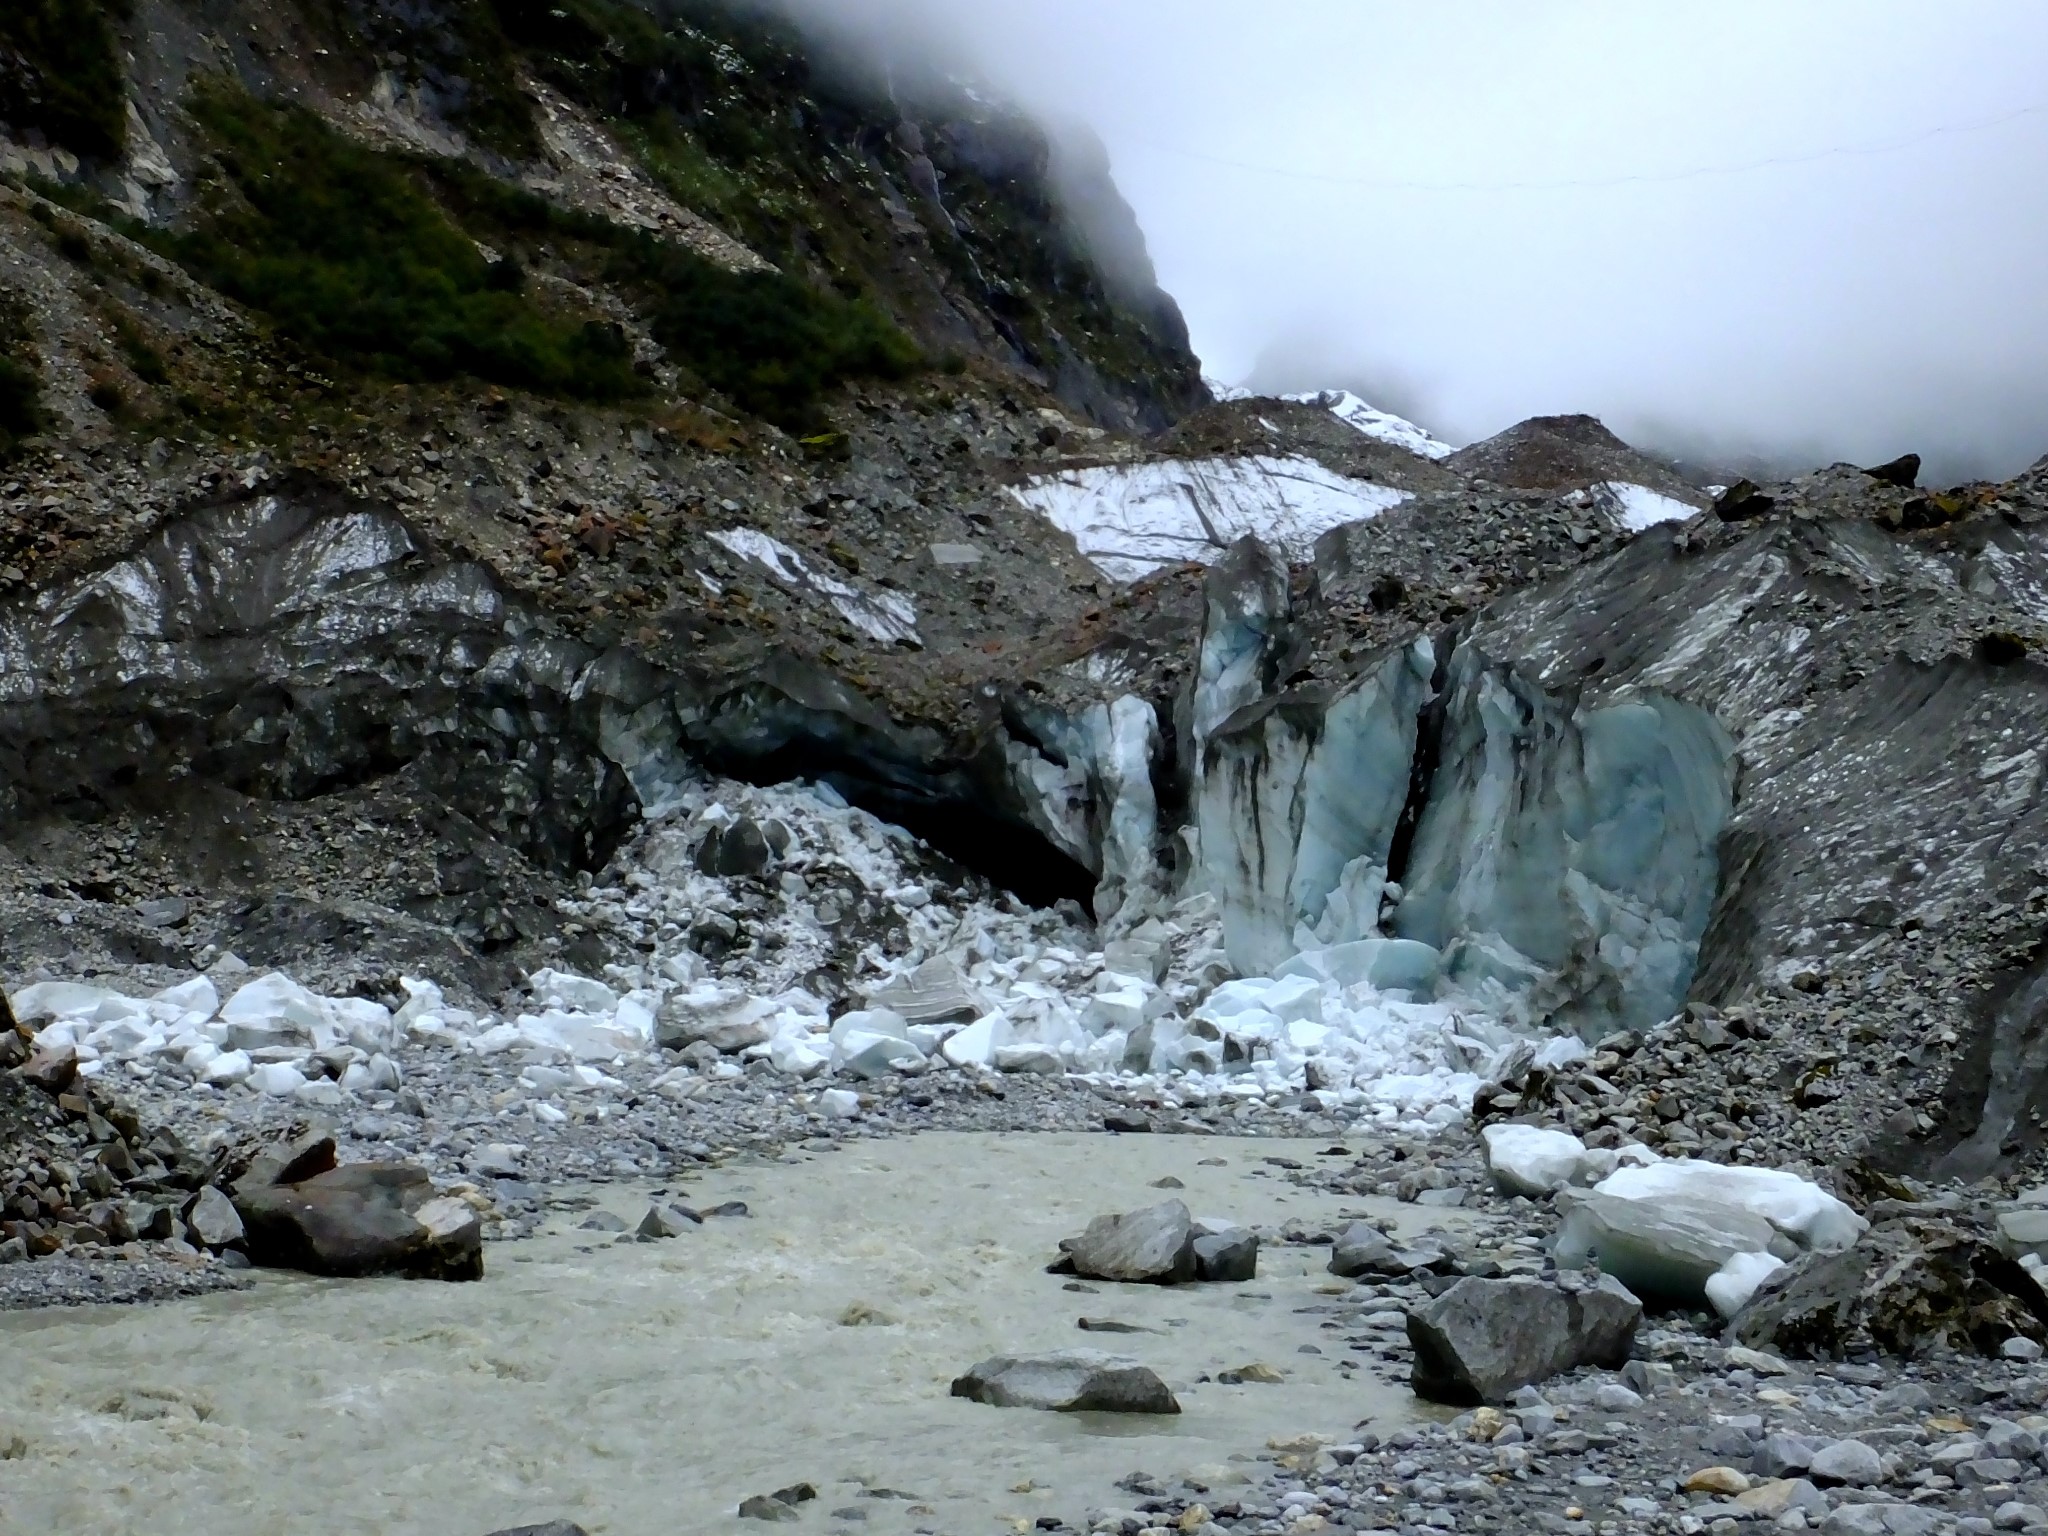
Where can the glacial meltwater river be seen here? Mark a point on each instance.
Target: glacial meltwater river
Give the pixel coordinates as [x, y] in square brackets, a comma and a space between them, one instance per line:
[645, 1389]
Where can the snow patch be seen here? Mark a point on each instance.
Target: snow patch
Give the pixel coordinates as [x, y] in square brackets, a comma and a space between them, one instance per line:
[1133, 519]
[1375, 423]
[889, 617]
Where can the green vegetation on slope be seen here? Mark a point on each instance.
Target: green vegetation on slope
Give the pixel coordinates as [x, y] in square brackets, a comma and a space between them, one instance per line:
[60, 73]
[769, 343]
[343, 250]
[371, 259]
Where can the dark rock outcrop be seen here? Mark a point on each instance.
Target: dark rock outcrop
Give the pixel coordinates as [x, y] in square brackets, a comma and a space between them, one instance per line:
[1154, 1246]
[1067, 1381]
[363, 1219]
[1481, 1339]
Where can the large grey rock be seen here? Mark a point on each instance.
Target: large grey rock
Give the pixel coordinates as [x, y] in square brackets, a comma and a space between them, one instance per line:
[1881, 1520]
[288, 1162]
[1067, 1381]
[1229, 1255]
[364, 1219]
[1909, 1287]
[212, 1219]
[1155, 1245]
[1847, 1461]
[740, 848]
[1481, 1339]
[937, 992]
[1784, 1455]
[552, 1528]
[1363, 1249]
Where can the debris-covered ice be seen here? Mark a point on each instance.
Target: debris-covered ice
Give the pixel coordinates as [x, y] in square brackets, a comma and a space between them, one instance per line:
[851, 952]
[1133, 519]
[889, 617]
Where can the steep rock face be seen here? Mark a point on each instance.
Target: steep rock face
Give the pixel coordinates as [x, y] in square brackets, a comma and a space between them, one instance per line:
[290, 644]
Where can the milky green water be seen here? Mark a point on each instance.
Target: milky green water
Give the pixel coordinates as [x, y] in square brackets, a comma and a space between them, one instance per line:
[645, 1389]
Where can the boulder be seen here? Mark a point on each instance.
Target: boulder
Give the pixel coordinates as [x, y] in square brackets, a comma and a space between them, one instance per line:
[53, 1071]
[738, 848]
[1847, 1461]
[363, 1219]
[288, 1162]
[1155, 1245]
[1481, 1339]
[1876, 1519]
[1067, 1381]
[1363, 1249]
[1229, 1255]
[779, 1505]
[552, 1528]
[937, 992]
[211, 1219]
[668, 1221]
[1911, 1287]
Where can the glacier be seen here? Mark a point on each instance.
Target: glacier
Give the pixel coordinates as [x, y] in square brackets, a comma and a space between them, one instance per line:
[1131, 520]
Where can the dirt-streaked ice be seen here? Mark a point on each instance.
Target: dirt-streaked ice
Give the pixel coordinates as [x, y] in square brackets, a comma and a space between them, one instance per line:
[1133, 519]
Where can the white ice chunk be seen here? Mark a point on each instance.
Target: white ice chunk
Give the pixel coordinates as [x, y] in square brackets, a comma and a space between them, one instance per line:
[279, 1079]
[58, 1000]
[1798, 1207]
[1730, 1287]
[799, 1055]
[565, 989]
[189, 1002]
[1386, 965]
[977, 1044]
[1526, 1160]
[228, 1067]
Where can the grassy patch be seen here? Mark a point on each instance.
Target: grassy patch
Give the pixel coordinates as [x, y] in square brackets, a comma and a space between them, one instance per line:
[342, 248]
[768, 342]
[21, 402]
[60, 73]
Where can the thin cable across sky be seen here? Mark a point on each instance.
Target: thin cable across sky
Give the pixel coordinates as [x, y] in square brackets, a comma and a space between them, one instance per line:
[1691, 173]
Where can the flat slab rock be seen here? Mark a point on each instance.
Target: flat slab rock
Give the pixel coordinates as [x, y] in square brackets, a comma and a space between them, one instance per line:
[1067, 1381]
[1155, 1245]
[363, 1219]
[1481, 1339]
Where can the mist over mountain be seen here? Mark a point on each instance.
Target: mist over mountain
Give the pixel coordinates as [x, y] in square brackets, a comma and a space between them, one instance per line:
[1735, 232]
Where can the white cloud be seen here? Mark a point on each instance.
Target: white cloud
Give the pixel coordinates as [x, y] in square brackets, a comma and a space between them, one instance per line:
[1855, 305]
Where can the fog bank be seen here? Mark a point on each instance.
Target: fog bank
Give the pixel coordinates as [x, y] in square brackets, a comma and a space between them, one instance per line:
[1745, 229]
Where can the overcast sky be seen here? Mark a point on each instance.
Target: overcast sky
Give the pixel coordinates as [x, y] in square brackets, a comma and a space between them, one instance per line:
[1883, 288]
